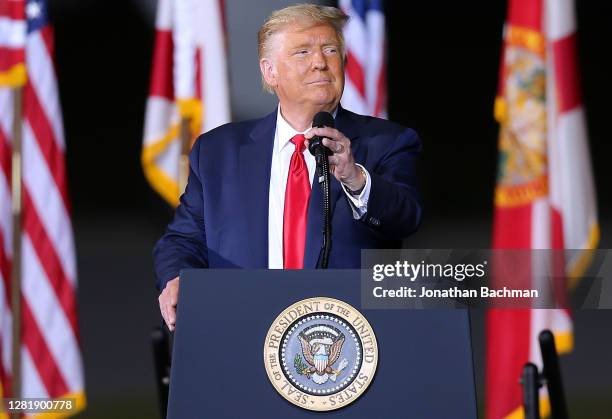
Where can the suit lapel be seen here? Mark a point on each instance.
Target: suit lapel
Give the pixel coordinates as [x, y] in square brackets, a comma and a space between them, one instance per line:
[255, 162]
[314, 229]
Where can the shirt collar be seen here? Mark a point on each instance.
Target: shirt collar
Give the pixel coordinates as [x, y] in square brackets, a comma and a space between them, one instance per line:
[285, 132]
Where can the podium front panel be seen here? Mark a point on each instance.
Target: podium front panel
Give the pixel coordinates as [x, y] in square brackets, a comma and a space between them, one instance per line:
[424, 368]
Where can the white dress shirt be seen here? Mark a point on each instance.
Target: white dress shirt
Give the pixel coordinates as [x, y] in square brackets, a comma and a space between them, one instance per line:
[281, 158]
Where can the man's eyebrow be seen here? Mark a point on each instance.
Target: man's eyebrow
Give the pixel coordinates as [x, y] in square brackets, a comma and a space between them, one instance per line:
[302, 45]
[326, 43]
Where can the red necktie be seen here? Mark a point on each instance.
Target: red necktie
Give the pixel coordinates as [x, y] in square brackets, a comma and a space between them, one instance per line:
[297, 195]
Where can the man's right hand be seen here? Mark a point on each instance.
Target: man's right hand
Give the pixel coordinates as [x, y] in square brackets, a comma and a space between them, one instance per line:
[167, 302]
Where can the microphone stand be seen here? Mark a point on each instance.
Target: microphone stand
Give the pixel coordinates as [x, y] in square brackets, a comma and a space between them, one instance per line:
[550, 376]
[321, 153]
[323, 166]
[531, 382]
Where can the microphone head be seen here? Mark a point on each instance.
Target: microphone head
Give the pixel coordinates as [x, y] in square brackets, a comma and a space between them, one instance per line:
[323, 119]
[320, 120]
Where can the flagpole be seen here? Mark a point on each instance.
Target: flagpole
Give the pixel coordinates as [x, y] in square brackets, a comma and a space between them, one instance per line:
[185, 136]
[16, 176]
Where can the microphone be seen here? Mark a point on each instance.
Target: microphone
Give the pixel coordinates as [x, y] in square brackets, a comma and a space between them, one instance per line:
[315, 145]
[321, 153]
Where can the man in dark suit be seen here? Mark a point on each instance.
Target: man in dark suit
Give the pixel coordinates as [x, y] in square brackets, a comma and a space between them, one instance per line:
[252, 199]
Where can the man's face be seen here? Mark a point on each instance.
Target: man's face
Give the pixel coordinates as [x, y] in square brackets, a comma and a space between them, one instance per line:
[306, 67]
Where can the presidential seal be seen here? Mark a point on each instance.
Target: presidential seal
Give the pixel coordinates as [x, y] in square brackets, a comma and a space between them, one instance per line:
[320, 354]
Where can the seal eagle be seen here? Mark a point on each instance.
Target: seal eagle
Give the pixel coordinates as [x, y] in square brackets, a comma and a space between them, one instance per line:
[321, 347]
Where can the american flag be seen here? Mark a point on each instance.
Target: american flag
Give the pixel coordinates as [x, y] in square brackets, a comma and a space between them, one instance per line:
[51, 364]
[545, 194]
[365, 90]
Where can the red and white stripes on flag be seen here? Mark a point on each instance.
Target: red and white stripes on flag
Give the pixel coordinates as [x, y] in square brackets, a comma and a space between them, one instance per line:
[365, 90]
[545, 196]
[51, 354]
[188, 80]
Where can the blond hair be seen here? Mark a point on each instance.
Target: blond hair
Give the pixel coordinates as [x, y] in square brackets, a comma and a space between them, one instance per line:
[309, 14]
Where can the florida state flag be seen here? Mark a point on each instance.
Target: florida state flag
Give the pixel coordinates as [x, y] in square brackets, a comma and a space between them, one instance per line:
[189, 80]
[544, 198]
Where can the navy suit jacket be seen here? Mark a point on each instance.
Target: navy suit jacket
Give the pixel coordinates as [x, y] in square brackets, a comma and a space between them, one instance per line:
[222, 220]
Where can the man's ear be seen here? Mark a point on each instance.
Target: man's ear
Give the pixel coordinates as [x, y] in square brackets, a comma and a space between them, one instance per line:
[268, 72]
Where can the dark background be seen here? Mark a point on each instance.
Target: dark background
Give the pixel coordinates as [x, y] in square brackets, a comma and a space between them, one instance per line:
[443, 67]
